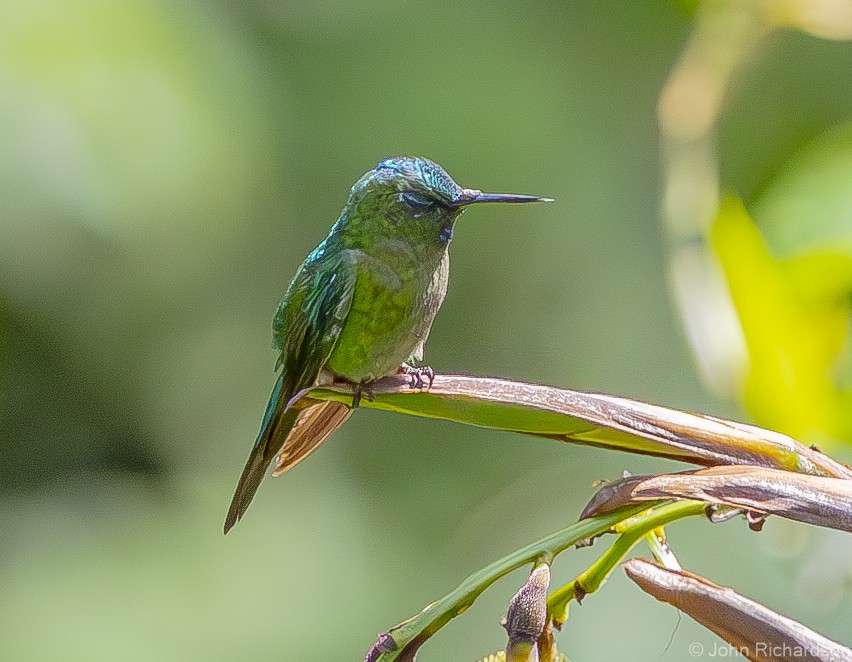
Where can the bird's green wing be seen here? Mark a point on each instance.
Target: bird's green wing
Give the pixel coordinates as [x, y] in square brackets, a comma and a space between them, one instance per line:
[309, 320]
[306, 328]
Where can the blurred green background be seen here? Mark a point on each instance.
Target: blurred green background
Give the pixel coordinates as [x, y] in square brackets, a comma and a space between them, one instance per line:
[166, 166]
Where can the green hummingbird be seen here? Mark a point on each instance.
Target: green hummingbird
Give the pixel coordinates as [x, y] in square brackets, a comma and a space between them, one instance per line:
[360, 307]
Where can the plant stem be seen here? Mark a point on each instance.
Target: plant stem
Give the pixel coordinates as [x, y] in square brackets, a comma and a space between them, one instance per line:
[631, 530]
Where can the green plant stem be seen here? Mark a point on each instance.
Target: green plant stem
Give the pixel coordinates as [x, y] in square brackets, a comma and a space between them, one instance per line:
[658, 545]
[409, 635]
[631, 530]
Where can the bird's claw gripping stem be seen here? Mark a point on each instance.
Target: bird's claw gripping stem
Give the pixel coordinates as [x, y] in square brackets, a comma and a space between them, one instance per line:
[361, 390]
[417, 374]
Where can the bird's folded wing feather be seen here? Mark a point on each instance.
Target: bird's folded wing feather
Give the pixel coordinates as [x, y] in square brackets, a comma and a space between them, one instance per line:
[307, 333]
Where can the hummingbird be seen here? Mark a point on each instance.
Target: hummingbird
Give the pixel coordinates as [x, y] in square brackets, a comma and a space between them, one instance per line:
[360, 306]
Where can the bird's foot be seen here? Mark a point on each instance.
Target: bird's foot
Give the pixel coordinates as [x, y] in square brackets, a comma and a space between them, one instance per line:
[417, 374]
[361, 390]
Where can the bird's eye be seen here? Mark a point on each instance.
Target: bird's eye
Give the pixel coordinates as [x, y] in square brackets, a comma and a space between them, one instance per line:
[416, 200]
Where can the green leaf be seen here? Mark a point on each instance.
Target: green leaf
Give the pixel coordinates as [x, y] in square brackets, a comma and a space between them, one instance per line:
[591, 419]
[794, 315]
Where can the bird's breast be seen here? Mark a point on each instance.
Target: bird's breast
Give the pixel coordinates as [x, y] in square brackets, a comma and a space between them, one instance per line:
[392, 309]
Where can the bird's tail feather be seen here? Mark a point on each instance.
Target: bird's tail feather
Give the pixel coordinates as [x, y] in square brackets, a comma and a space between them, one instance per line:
[277, 423]
[313, 427]
[294, 432]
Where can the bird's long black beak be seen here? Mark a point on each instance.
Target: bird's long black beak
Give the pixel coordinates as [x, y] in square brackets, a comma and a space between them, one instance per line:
[472, 196]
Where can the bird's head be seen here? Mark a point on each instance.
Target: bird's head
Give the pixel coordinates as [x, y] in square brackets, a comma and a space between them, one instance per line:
[405, 188]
